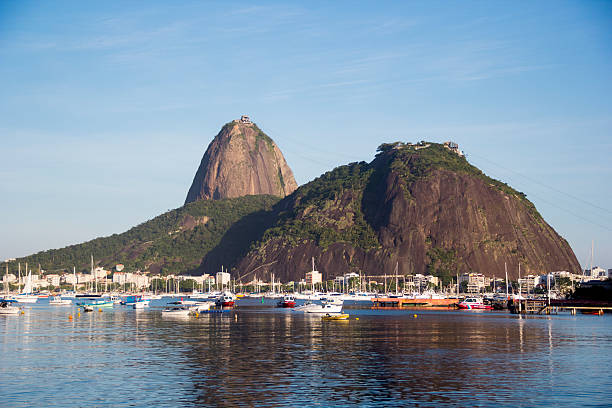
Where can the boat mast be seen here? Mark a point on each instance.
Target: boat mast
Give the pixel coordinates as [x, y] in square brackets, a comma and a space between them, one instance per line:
[520, 295]
[506, 270]
[592, 245]
[74, 282]
[312, 276]
[19, 279]
[95, 287]
[396, 267]
[457, 285]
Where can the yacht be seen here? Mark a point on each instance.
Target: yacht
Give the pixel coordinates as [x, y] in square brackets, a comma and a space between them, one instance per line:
[7, 309]
[321, 308]
[58, 301]
[176, 311]
[473, 303]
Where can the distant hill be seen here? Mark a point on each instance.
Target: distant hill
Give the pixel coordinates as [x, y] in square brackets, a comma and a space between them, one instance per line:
[241, 160]
[174, 242]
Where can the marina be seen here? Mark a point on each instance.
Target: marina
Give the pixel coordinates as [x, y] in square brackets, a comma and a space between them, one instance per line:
[258, 354]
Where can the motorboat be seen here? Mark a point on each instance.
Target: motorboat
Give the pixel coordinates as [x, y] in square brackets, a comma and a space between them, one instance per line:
[194, 305]
[96, 304]
[58, 301]
[226, 299]
[321, 308]
[286, 301]
[7, 309]
[130, 300]
[140, 304]
[473, 303]
[177, 311]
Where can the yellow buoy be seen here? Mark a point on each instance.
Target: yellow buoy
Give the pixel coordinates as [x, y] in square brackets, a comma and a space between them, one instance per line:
[69, 317]
[22, 312]
[100, 310]
[356, 318]
[78, 314]
[415, 316]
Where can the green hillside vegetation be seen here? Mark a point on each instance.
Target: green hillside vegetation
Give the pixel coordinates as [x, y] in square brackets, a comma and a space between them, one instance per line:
[413, 163]
[328, 210]
[175, 241]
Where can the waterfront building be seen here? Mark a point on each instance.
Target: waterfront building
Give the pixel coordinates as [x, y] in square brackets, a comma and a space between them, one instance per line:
[53, 279]
[528, 283]
[313, 277]
[596, 273]
[138, 280]
[475, 281]
[222, 279]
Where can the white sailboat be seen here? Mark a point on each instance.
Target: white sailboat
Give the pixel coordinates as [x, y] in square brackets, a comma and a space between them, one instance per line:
[26, 296]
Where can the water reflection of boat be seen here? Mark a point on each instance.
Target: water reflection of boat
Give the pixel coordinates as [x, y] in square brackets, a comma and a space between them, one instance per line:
[473, 303]
[286, 301]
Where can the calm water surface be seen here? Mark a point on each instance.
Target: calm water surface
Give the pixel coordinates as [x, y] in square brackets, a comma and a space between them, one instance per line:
[259, 356]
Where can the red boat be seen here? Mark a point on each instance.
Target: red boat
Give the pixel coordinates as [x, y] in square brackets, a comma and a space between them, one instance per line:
[226, 299]
[473, 303]
[288, 301]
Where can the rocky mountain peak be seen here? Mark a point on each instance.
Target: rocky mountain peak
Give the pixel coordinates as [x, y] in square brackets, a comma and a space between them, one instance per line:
[241, 160]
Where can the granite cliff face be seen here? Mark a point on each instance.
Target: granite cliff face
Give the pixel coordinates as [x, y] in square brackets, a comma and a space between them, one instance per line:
[241, 160]
[425, 208]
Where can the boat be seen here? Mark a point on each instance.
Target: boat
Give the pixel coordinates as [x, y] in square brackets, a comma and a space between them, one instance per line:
[7, 309]
[321, 308]
[177, 311]
[130, 300]
[286, 301]
[335, 316]
[96, 304]
[596, 312]
[226, 299]
[473, 303]
[140, 304]
[26, 296]
[194, 305]
[58, 301]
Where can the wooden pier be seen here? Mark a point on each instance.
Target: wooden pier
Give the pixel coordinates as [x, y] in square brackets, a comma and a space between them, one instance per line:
[543, 306]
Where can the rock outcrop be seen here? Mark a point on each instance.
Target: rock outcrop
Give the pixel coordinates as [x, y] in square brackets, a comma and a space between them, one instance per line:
[423, 207]
[241, 160]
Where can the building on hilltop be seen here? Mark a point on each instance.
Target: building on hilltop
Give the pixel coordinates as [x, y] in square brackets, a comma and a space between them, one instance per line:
[245, 119]
[453, 147]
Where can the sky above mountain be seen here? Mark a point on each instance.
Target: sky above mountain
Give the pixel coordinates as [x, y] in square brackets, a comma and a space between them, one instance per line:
[108, 107]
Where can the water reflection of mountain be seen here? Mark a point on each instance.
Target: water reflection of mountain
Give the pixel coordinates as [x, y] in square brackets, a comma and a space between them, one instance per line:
[276, 358]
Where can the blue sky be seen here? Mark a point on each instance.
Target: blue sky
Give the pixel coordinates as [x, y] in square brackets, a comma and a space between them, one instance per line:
[106, 108]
